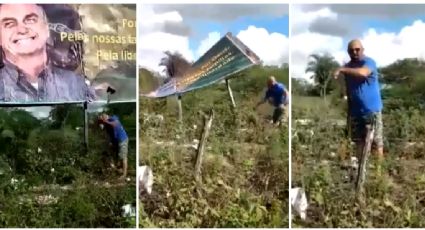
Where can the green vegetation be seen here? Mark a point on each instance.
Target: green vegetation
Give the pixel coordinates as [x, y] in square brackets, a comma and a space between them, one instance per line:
[245, 166]
[320, 162]
[49, 180]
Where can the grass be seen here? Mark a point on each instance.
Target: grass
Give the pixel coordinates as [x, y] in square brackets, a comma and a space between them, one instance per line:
[48, 180]
[320, 165]
[244, 172]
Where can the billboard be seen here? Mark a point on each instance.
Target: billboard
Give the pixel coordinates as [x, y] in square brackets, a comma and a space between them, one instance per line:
[228, 56]
[60, 53]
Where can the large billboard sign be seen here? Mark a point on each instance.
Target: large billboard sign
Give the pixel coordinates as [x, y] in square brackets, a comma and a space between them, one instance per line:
[228, 56]
[59, 53]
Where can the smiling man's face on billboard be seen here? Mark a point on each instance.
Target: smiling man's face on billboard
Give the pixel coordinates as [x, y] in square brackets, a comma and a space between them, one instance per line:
[24, 29]
[51, 53]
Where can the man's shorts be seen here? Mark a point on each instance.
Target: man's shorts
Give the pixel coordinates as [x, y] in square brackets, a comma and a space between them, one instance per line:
[358, 128]
[123, 149]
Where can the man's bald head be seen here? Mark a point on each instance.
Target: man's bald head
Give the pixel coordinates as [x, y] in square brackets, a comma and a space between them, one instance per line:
[104, 115]
[271, 81]
[355, 49]
[355, 43]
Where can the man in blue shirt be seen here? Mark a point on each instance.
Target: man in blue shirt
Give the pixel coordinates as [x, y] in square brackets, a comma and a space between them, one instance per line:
[364, 97]
[118, 137]
[276, 95]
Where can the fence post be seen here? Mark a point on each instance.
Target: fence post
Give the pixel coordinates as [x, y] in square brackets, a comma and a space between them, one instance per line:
[86, 127]
[179, 102]
[229, 90]
[201, 147]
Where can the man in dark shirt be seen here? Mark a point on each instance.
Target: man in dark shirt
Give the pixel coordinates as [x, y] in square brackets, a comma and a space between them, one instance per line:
[28, 75]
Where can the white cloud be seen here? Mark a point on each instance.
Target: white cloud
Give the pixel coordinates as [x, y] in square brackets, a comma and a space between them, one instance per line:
[304, 43]
[152, 21]
[207, 43]
[383, 47]
[152, 42]
[272, 48]
[386, 48]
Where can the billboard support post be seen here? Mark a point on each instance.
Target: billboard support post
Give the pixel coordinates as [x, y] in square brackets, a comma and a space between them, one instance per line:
[86, 128]
[229, 89]
[179, 103]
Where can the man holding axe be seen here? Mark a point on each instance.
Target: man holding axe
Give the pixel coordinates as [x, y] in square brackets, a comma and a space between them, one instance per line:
[365, 103]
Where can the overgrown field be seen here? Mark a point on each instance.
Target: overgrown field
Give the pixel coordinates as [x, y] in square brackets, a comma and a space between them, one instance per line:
[245, 166]
[321, 163]
[49, 180]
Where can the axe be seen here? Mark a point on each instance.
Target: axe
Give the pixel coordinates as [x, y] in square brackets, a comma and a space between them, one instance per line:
[110, 91]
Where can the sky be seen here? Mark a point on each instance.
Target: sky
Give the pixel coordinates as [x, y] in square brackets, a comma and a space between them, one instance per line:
[388, 32]
[192, 29]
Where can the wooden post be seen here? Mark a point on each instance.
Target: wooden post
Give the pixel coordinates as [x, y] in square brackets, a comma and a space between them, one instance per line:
[201, 147]
[179, 102]
[230, 93]
[362, 165]
[86, 127]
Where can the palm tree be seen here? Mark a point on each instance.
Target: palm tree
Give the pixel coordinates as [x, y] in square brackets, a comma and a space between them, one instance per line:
[322, 66]
[175, 66]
